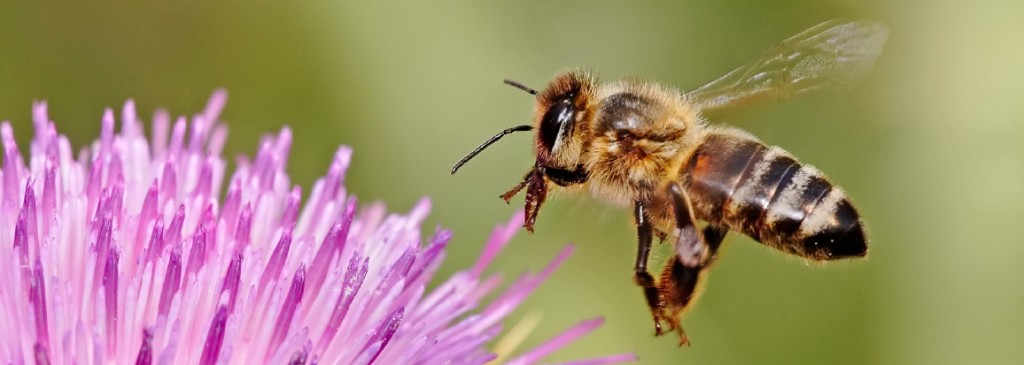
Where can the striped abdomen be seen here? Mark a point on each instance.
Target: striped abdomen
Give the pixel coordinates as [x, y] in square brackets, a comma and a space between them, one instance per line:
[763, 192]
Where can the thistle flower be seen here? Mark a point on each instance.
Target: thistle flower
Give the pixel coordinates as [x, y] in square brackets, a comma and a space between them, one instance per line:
[125, 254]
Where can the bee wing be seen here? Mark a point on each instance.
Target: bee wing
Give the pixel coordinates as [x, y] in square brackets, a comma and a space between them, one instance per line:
[829, 53]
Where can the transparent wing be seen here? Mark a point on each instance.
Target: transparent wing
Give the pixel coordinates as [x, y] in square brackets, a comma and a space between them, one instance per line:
[829, 53]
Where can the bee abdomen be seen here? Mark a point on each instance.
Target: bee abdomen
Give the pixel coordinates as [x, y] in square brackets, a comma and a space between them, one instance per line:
[766, 194]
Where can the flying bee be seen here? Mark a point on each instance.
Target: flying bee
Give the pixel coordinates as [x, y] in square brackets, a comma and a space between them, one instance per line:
[648, 146]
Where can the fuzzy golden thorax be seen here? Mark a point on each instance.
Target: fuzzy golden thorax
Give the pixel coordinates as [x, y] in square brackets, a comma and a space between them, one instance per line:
[640, 131]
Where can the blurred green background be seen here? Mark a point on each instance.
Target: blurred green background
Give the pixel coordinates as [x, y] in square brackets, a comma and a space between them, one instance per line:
[929, 147]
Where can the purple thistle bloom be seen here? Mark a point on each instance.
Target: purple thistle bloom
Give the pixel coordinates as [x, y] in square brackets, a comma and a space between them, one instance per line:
[125, 254]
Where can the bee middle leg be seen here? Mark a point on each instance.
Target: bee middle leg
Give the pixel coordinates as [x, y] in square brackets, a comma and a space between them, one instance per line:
[641, 276]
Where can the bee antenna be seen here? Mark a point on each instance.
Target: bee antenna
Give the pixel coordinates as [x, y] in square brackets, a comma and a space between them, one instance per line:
[520, 86]
[520, 128]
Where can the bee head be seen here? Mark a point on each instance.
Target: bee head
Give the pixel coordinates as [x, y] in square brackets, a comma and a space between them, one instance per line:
[560, 110]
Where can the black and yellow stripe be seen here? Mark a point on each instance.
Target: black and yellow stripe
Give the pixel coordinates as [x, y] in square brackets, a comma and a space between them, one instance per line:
[740, 183]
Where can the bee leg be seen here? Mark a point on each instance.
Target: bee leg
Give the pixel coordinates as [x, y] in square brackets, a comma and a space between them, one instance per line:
[679, 282]
[691, 249]
[641, 276]
[713, 237]
[536, 191]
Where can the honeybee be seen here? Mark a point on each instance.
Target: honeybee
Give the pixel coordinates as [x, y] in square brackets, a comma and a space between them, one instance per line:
[641, 144]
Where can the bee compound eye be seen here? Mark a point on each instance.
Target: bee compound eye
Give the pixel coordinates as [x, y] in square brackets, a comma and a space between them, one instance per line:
[559, 117]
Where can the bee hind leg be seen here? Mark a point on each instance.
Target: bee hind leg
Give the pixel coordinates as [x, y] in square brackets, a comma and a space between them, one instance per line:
[678, 286]
[691, 249]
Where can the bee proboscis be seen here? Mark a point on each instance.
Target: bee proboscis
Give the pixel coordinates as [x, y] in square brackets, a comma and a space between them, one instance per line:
[646, 145]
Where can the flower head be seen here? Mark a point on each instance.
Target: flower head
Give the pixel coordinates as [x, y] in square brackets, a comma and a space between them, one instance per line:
[125, 253]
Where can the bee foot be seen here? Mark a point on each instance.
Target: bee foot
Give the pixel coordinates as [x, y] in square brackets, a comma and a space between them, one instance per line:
[672, 324]
[683, 339]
